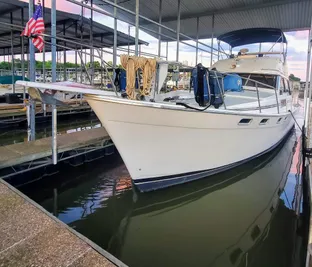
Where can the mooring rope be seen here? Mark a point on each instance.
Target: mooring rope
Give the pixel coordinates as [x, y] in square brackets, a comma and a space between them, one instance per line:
[132, 64]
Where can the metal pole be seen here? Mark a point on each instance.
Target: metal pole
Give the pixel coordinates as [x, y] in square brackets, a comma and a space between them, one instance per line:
[137, 10]
[178, 29]
[159, 28]
[23, 55]
[258, 97]
[102, 68]
[197, 32]
[32, 77]
[44, 60]
[53, 39]
[307, 77]
[92, 50]
[76, 48]
[54, 134]
[308, 102]
[54, 111]
[166, 51]
[115, 40]
[28, 122]
[218, 50]
[212, 36]
[64, 56]
[128, 39]
[133, 13]
[32, 62]
[12, 54]
[178, 37]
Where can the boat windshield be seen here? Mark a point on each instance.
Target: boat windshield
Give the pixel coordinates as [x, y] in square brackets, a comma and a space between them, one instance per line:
[267, 81]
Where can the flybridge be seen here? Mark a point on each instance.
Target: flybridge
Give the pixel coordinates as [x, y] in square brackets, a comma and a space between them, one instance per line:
[253, 36]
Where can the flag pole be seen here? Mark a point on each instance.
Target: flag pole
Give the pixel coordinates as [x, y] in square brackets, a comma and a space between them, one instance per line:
[32, 76]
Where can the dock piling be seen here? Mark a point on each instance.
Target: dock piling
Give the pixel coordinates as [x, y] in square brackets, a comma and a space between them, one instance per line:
[54, 134]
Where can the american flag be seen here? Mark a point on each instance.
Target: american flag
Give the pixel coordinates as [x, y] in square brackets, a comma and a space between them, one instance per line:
[34, 27]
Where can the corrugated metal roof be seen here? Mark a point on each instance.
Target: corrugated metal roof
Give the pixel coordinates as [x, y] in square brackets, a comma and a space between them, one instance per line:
[102, 35]
[229, 15]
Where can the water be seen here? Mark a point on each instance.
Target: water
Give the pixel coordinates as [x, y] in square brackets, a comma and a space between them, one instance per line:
[244, 217]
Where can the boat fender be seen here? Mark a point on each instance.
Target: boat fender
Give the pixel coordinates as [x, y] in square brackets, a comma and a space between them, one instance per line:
[216, 88]
[200, 83]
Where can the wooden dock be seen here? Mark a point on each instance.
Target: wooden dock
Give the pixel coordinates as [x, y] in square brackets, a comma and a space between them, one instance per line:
[15, 110]
[30, 236]
[15, 154]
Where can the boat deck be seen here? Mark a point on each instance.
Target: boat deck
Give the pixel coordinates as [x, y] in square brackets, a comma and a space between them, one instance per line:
[30, 236]
[15, 154]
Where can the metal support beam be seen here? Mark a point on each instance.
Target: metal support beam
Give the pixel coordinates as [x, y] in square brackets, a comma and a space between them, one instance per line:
[242, 7]
[128, 39]
[76, 48]
[32, 62]
[115, 40]
[212, 36]
[64, 54]
[159, 28]
[178, 29]
[44, 106]
[306, 100]
[137, 10]
[32, 77]
[53, 52]
[140, 16]
[23, 54]
[12, 54]
[54, 135]
[91, 50]
[53, 39]
[197, 32]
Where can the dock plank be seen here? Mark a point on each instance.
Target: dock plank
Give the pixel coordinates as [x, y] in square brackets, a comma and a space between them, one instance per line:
[15, 154]
[30, 236]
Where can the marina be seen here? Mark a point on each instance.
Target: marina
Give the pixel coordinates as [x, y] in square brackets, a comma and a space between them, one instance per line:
[155, 133]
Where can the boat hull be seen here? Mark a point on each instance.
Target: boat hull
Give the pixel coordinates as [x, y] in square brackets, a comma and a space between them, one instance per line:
[162, 147]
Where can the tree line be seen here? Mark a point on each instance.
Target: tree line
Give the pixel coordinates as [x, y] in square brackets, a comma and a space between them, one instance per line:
[48, 64]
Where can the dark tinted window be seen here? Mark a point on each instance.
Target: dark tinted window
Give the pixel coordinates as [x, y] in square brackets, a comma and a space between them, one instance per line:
[264, 79]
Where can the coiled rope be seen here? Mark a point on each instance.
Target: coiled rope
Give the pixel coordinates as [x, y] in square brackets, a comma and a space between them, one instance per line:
[132, 64]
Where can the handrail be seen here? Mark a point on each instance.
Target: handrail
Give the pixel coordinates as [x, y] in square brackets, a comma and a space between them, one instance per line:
[256, 85]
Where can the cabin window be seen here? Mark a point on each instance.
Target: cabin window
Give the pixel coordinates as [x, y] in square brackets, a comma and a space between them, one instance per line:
[255, 232]
[263, 121]
[264, 80]
[244, 121]
[235, 255]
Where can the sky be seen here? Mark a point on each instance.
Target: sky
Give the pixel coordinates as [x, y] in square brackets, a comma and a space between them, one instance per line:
[297, 43]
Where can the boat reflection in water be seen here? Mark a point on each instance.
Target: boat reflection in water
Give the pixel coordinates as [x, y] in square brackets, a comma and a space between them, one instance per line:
[243, 217]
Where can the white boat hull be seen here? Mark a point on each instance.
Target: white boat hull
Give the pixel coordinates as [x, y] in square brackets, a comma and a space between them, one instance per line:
[162, 147]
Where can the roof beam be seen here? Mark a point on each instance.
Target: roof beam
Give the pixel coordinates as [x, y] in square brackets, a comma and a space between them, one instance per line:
[231, 9]
[7, 11]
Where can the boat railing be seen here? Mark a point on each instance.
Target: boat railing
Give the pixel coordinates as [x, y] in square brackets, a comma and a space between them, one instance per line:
[257, 85]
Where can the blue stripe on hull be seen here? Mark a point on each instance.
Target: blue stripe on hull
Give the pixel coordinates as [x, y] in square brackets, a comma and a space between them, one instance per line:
[151, 184]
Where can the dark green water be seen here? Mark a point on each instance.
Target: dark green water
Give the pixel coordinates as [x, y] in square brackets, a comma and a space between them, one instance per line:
[248, 216]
